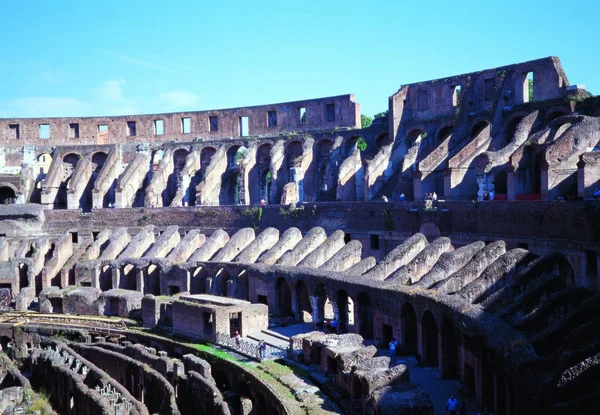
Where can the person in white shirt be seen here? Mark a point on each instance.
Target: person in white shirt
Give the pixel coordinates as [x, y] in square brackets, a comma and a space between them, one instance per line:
[452, 405]
[384, 198]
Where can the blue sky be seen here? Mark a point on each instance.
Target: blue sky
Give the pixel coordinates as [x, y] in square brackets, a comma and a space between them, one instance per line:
[76, 58]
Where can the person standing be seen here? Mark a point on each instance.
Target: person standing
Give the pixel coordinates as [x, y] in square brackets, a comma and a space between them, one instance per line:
[334, 326]
[452, 405]
[384, 198]
[237, 339]
[392, 346]
[262, 347]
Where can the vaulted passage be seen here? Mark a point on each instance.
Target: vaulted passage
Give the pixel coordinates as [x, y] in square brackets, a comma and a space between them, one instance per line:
[7, 195]
[304, 309]
[284, 296]
[408, 323]
[429, 333]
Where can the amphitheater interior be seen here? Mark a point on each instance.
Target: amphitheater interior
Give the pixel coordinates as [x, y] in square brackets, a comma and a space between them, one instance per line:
[263, 260]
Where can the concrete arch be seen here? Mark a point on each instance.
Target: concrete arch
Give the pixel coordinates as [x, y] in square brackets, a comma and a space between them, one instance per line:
[478, 125]
[443, 131]
[7, 194]
[303, 306]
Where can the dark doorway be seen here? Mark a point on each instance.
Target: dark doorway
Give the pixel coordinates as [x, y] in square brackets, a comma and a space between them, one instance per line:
[408, 319]
[430, 340]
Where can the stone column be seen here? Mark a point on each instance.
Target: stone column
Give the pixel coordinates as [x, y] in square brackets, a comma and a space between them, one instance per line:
[511, 193]
[417, 190]
[139, 280]
[314, 304]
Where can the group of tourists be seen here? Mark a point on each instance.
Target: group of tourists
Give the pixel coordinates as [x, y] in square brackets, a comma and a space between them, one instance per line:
[262, 346]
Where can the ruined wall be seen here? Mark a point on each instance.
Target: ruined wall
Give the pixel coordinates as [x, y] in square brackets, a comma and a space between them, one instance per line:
[337, 111]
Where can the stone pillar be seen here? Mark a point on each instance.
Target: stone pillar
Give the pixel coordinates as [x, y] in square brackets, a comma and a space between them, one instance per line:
[208, 285]
[116, 277]
[417, 190]
[511, 193]
[139, 280]
[314, 304]
[544, 185]
[448, 184]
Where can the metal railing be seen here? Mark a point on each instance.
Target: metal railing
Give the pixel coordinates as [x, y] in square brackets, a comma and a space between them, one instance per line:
[250, 349]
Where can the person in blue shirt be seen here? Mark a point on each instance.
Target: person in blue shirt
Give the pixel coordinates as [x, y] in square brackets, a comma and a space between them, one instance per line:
[452, 405]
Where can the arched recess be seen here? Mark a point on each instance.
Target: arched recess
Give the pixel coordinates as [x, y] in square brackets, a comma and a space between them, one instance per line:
[206, 155]
[323, 181]
[429, 339]
[345, 306]
[7, 194]
[221, 278]
[69, 163]
[260, 177]
[449, 351]
[350, 145]
[284, 296]
[230, 180]
[179, 159]
[98, 159]
[444, 132]
[304, 309]
[382, 140]
[408, 326]
[365, 316]
[478, 128]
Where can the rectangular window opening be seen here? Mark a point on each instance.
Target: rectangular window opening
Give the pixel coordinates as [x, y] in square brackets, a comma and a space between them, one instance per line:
[302, 115]
[159, 127]
[102, 128]
[456, 96]
[74, 130]
[14, 133]
[272, 119]
[213, 123]
[74, 237]
[330, 112]
[186, 125]
[529, 85]
[374, 239]
[45, 131]
[131, 128]
[95, 235]
[243, 126]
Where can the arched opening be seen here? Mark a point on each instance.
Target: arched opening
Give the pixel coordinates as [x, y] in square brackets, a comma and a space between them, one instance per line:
[42, 166]
[449, 350]
[382, 140]
[85, 201]
[206, 155]
[221, 282]
[324, 183]
[478, 128]
[292, 166]
[221, 380]
[345, 306]
[408, 327]
[444, 133]
[175, 178]
[7, 195]
[284, 296]
[429, 340]
[230, 180]
[304, 311]
[351, 145]
[365, 316]
[69, 163]
[261, 178]
[555, 114]
[105, 278]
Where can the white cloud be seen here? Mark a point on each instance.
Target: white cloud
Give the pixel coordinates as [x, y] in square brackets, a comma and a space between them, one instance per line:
[38, 107]
[111, 90]
[178, 100]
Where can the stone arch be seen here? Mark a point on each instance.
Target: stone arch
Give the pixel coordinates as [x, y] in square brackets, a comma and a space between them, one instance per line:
[260, 179]
[478, 126]
[450, 355]
[105, 278]
[303, 307]
[206, 155]
[7, 194]
[365, 316]
[408, 329]
[321, 301]
[221, 380]
[556, 112]
[230, 193]
[284, 296]
[429, 339]
[69, 164]
[443, 132]
[323, 181]
[350, 145]
[430, 230]
[221, 282]
[382, 140]
[415, 137]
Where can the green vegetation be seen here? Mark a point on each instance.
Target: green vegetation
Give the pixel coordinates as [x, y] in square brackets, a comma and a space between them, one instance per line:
[365, 121]
[256, 213]
[530, 89]
[361, 144]
[291, 212]
[41, 404]
[383, 114]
